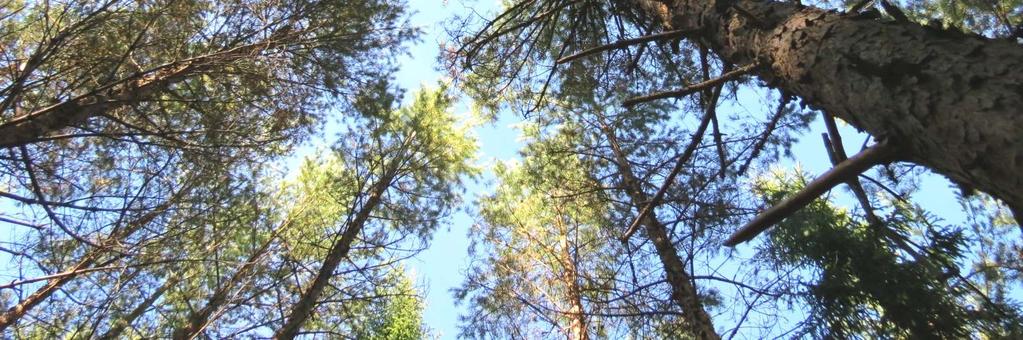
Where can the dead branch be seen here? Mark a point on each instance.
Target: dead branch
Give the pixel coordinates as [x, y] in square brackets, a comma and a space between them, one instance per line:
[841, 173]
[692, 88]
[624, 43]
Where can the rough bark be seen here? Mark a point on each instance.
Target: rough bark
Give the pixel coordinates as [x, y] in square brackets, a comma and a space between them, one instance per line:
[683, 292]
[949, 101]
[303, 309]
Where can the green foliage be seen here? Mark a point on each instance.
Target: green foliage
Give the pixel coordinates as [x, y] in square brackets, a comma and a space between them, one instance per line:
[874, 280]
[400, 318]
[538, 251]
[161, 189]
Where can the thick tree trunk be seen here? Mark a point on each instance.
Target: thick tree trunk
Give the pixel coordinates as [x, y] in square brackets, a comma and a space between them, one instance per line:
[303, 309]
[683, 292]
[949, 101]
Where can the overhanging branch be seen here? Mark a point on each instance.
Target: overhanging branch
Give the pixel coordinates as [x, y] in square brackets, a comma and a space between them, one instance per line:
[841, 173]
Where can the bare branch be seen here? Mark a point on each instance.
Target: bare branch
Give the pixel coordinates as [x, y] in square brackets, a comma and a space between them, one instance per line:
[877, 154]
[682, 160]
[692, 88]
[624, 43]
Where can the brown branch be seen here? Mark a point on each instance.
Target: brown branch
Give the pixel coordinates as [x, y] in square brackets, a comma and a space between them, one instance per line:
[692, 88]
[836, 151]
[711, 110]
[762, 142]
[682, 160]
[877, 154]
[624, 43]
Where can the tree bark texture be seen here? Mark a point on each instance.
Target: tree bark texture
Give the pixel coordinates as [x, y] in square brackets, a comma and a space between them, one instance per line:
[947, 100]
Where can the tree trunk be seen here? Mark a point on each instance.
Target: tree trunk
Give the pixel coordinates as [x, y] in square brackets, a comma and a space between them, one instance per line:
[683, 292]
[339, 250]
[949, 101]
[577, 326]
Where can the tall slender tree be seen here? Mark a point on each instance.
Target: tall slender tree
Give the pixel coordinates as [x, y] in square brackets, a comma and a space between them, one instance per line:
[540, 256]
[412, 162]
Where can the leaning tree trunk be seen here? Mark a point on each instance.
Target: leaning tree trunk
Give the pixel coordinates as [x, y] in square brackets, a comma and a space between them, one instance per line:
[683, 291]
[306, 304]
[949, 101]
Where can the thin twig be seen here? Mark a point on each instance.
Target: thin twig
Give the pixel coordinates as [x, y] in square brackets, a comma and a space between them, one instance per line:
[49, 212]
[624, 43]
[682, 160]
[762, 142]
[712, 110]
[692, 88]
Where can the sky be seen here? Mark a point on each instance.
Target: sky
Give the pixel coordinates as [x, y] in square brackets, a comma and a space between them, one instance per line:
[442, 266]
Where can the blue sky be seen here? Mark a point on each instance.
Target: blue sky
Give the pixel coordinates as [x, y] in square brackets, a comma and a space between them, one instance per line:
[441, 266]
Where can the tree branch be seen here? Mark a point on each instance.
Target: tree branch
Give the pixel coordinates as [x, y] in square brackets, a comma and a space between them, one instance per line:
[836, 151]
[692, 88]
[624, 43]
[682, 160]
[841, 173]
